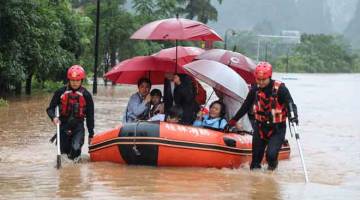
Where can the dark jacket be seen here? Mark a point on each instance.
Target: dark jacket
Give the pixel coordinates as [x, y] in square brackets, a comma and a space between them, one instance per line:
[284, 97]
[89, 110]
[168, 98]
[184, 96]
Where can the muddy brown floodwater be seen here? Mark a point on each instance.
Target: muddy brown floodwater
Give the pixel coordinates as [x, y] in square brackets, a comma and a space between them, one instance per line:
[329, 111]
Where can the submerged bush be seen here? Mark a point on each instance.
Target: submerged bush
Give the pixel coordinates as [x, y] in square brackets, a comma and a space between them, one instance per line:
[3, 102]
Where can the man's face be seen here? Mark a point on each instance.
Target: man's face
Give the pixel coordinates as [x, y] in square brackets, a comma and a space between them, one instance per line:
[177, 80]
[144, 89]
[262, 82]
[169, 76]
[75, 84]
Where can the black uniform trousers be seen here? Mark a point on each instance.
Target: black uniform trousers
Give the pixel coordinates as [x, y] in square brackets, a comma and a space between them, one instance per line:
[272, 145]
[72, 139]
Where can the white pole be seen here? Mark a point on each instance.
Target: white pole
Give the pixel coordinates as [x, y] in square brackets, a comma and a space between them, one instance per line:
[58, 157]
[297, 137]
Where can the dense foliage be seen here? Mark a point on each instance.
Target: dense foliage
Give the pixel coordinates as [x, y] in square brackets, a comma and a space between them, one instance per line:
[316, 53]
[40, 39]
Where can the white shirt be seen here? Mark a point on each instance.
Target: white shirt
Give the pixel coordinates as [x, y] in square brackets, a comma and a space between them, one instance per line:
[157, 117]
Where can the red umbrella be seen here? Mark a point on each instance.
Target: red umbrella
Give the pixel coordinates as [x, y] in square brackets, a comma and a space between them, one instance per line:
[243, 65]
[131, 70]
[176, 29]
[184, 54]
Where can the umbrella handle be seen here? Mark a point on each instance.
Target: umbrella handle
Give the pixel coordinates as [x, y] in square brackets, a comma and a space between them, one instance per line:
[209, 97]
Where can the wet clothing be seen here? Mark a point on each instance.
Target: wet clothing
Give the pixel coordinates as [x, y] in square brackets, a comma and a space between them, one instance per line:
[267, 109]
[169, 87]
[73, 103]
[273, 144]
[266, 132]
[72, 139]
[168, 97]
[217, 123]
[136, 109]
[72, 130]
[184, 96]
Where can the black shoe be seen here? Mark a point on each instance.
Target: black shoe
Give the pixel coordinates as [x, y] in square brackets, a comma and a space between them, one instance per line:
[271, 168]
[255, 166]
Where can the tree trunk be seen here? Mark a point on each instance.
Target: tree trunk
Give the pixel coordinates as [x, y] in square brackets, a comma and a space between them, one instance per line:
[28, 84]
[113, 59]
[18, 86]
[106, 66]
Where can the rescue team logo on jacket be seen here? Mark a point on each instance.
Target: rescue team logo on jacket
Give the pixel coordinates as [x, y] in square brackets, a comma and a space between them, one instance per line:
[73, 103]
[268, 109]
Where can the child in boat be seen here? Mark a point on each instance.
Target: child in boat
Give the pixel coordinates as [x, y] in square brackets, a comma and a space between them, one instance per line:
[174, 114]
[157, 106]
[215, 118]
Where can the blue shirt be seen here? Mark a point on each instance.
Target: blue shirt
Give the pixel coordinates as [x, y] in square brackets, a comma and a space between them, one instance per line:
[218, 123]
[136, 109]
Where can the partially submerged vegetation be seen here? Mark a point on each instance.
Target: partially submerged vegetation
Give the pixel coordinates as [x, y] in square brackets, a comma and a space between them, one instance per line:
[43, 38]
[3, 102]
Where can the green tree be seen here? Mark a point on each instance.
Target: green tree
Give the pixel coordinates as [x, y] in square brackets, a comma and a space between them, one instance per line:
[40, 39]
[320, 53]
[203, 10]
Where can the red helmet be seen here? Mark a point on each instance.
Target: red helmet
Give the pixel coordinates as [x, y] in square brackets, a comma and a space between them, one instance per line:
[76, 72]
[263, 70]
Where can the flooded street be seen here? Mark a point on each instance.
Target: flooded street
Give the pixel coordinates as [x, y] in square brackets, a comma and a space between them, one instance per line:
[329, 113]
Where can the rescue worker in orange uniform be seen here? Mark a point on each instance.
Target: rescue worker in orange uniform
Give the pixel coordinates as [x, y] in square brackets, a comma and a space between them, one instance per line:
[270, 101]
[75, 104]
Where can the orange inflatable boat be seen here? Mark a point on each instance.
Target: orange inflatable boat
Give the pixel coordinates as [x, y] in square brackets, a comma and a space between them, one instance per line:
[166, 144]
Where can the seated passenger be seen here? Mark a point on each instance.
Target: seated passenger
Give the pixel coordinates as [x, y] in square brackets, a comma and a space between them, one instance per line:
[174, 114]
[157, 110]
[232, 106]
[215, 118]
[139, 104]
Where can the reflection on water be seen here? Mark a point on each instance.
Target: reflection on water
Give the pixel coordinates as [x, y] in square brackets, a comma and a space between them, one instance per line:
[328, 107]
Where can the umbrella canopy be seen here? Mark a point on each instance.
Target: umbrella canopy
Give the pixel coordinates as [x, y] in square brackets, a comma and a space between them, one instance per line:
[131, 70]
[219, 76]
[184, 54]
[176, 29]
[243, 65]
